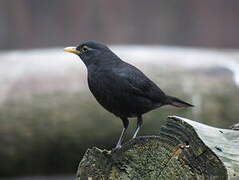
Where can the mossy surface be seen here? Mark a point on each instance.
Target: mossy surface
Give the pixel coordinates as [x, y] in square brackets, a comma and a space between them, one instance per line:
[168, 156]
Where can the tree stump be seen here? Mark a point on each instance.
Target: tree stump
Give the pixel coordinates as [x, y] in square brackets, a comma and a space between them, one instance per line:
[177, 152]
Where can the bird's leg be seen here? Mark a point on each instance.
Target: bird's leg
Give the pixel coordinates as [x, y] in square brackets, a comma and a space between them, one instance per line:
[126, 124]
[139, 124]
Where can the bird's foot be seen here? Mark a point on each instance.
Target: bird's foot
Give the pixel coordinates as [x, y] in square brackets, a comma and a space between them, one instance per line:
[118, 146]
[134, 136]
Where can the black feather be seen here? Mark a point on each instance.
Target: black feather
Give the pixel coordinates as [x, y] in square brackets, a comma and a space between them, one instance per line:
[121, 88]
[177, 102]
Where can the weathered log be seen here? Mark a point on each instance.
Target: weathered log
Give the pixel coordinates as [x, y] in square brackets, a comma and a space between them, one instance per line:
[224, 142]
[177, 152]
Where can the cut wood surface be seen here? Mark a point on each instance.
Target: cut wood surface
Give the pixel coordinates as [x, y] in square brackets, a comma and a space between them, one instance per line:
[224, 142]
[183, 149]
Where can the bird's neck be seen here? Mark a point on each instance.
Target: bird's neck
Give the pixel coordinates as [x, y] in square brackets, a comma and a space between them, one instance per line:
[103, 62]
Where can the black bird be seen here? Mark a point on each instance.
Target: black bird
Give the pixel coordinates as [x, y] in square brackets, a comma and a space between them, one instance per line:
[119, 87]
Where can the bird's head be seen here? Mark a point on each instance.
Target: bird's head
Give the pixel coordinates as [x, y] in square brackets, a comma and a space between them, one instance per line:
[91, 52]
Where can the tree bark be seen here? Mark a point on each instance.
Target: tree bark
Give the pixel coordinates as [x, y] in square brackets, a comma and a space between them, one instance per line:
[177, 152]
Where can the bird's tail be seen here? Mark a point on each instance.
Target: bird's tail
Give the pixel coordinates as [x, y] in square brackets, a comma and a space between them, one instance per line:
[177, 102]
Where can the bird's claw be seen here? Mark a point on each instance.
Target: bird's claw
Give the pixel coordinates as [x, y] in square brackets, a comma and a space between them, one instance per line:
[116, 147]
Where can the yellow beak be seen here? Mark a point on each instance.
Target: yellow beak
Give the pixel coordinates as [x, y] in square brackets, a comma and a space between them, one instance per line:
[72, 50]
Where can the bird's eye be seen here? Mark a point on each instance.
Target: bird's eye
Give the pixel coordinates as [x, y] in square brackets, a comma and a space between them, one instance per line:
[84, 48]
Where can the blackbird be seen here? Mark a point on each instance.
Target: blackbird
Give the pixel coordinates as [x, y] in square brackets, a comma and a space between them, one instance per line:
[119, 87]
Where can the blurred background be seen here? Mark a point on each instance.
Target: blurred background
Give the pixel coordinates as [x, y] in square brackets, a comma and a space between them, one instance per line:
[48, 117]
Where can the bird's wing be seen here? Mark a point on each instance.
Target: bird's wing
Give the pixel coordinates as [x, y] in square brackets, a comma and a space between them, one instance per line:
[133, 80]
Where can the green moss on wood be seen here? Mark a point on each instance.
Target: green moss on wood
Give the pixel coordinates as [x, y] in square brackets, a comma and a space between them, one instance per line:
[176, 153]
